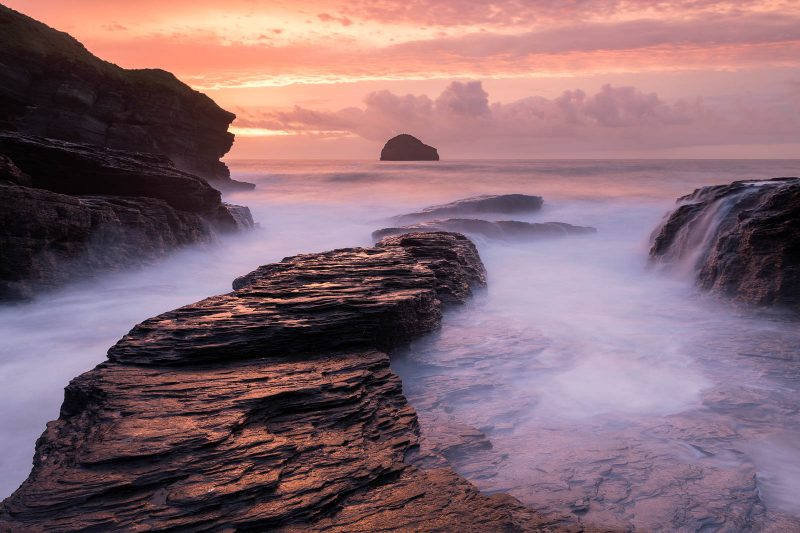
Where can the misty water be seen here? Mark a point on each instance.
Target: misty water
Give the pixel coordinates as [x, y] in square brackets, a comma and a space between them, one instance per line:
[606, 390]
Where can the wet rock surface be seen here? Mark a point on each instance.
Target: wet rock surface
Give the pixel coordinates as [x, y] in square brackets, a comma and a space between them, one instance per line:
[502, 229]
[51, 86]
[478, 205]
[406, 147]
[234, 413]
[740, 240]
[484, 392]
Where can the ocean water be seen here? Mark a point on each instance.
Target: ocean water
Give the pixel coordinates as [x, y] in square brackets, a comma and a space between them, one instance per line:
[607, 391]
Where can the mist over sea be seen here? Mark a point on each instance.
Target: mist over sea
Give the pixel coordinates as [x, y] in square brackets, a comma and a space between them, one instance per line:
[606, 388]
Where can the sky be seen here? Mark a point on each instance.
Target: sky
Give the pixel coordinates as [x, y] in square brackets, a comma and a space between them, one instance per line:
[477, 79]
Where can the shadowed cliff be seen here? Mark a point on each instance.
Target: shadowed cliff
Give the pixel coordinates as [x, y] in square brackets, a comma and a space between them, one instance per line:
[51, 86]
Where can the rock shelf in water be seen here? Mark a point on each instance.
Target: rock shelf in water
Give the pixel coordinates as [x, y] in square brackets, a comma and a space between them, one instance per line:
[504, 204]
[502, 229]
[270, 407]
[740, 240]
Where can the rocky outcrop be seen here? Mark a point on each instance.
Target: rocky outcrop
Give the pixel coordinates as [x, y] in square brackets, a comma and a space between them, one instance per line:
[268, 408]
[740, 240]
[49, 239]
[117, 161]
[504, 204]
[51, 86]
[502, 229]
[406, 147]
[76, 169]
[75, 210]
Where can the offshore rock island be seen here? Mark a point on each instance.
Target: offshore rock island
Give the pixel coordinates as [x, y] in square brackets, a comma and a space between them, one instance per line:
[405, 147]
[271, 407]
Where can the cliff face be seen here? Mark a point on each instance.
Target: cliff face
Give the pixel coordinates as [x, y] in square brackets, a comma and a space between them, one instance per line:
[103, 167]
[51, 86]
[272, 407]
[740, 240]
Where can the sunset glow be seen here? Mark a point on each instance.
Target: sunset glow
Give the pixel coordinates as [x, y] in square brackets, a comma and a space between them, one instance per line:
[341, 69]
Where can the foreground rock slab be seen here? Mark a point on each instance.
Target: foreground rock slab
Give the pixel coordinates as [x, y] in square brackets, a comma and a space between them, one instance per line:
[271, 407]
[502, 229]
[740, 240]
[505, 204]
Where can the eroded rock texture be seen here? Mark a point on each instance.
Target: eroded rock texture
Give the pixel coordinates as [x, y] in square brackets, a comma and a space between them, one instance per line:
[502, 229]
[740, 240]
[76, 169]
[74, 210]
[268, 408]
[478, 205]
[51, 86]
[405, 147]
[48, 239]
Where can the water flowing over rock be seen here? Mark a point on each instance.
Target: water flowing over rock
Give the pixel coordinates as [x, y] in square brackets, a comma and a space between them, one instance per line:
[406, 147]
[502, 229]
[271, 407]
[740, 240]
[504, 204]
[51, 86]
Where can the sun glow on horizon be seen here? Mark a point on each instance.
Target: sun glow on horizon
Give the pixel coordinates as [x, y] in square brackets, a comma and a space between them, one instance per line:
[347, 70]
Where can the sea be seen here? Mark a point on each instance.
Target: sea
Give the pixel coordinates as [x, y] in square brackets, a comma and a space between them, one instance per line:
[589, 383]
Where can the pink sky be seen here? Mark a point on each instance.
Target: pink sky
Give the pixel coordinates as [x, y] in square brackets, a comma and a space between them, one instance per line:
[510, 78]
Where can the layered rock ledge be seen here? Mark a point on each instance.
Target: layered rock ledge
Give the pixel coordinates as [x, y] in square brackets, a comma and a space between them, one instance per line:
[501, 229]
[69, 211]
[504, 204]
[270, 407]
[740, 240]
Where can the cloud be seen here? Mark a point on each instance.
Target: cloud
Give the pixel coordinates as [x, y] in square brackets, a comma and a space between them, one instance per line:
[624, 117]
[325, 17]
[358, 40]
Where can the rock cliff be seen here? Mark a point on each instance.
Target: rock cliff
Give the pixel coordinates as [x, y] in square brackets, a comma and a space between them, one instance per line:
[740, 240]
[102, 167]
[406, 147]
[75, 210]
[51, 86]
[271, 407]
